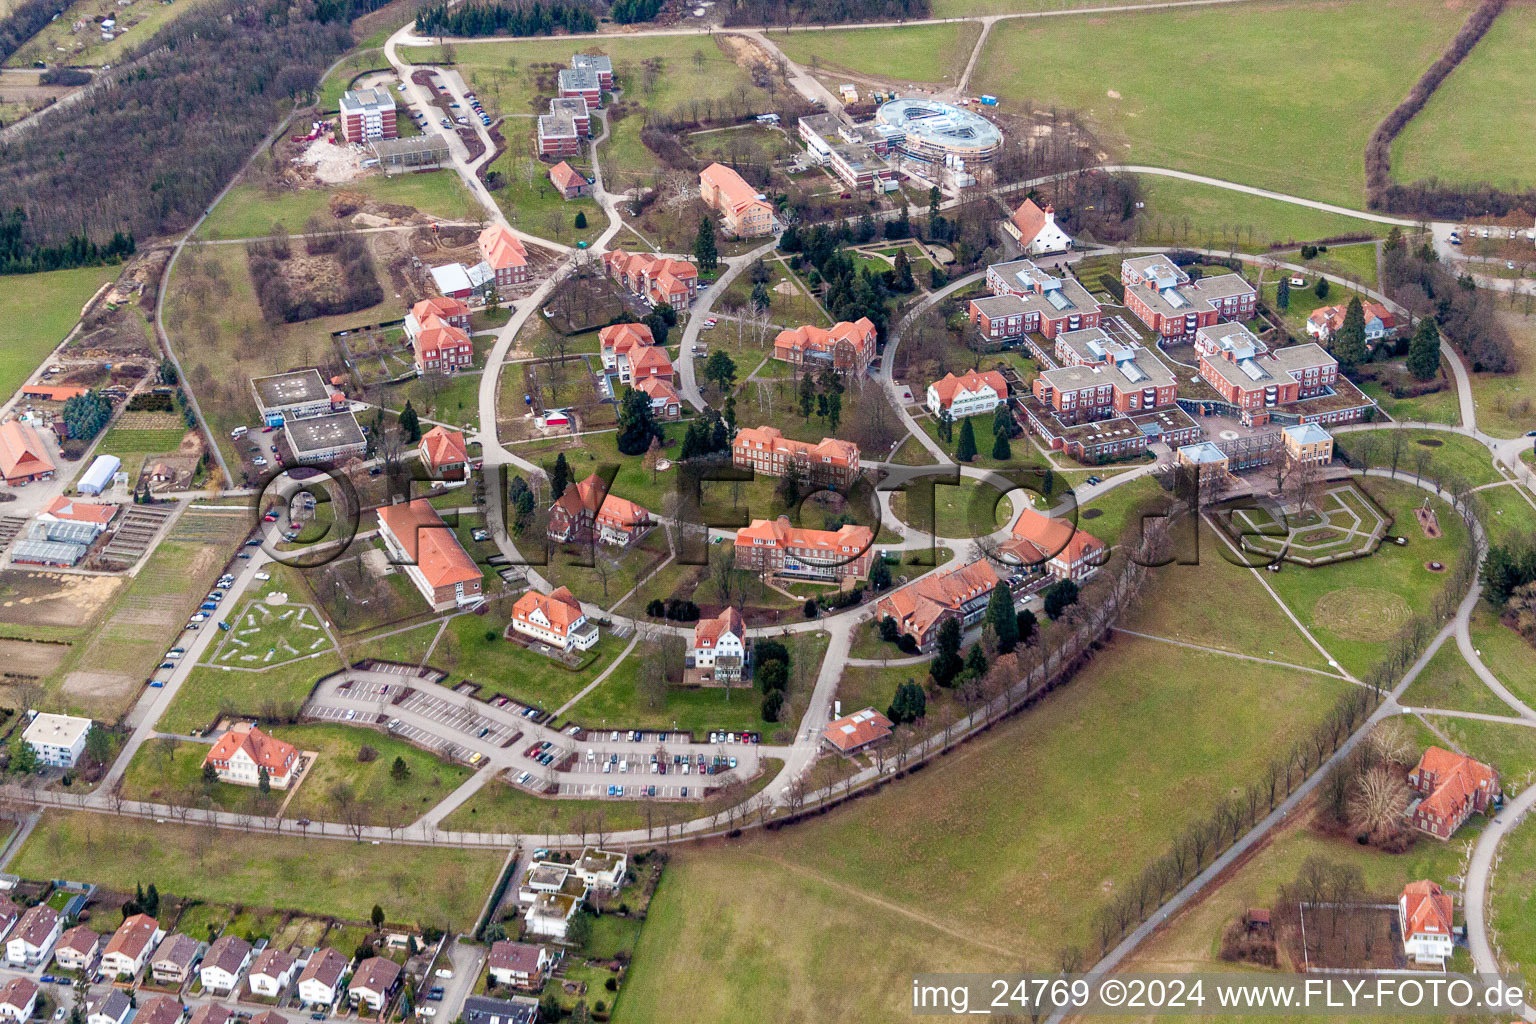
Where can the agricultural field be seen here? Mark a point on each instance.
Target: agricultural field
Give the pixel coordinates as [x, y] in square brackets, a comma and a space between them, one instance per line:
[336, 877]
[918, 53]
[1471, 130]
[1187, 213]
[938, 865]
[1317, 106]
[135, 435]
[36, 312]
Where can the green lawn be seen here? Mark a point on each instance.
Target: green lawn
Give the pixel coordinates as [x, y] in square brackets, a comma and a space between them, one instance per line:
[1354, 608]
[409, 646]
[1298, 125]
[1449, 682]
[1445, 452]
[938, 866]
[1506, 654]
[340, 80]
[1185, 212]
[501, 666]
[1473, 127]
[1437, 407]
[916, 53]
[249, 211]
[1107, 517]
[1513, 897]
[1509, 748]
[429, 885]
[209, 691]
[36, 312]
[972, 508]
[1507, 513]
[530, 202]
[1505, 401]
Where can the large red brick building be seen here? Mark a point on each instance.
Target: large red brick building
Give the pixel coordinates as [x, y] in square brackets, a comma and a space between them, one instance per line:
[656, 279]
[920, 608]
[774, 546]
[848, 347]
[1255, 382]
[1026, 300]
[505, 254]
[1453, 787]
[828, 463]
[1168, 301]
[1107, 380]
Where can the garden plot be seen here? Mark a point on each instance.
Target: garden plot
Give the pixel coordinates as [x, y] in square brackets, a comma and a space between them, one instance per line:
[267, 633]
[1344, 524]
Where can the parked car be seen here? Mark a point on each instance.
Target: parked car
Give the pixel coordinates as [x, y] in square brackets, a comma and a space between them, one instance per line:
[263, 575]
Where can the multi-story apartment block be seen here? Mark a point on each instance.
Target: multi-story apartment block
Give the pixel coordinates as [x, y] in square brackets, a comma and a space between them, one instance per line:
[584, 83]
[975, 394]
[920, 608]
[505, 255]
[1256, 383]
[58, 740]
[829, 463]
[559, 131]
[586, 510]
[1229, 340]
[367, 115]
[1026, 299]
[656, 279]
[1125, 380]
[630, 352]
[745, 213]
[849, 347]
[1164, 297]
[597, 63]
[773, 546]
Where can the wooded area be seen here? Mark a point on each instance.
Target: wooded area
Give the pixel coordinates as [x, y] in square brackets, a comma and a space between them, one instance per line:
[1424, 285]
[822, 12]
[514, 19]
[26, 21]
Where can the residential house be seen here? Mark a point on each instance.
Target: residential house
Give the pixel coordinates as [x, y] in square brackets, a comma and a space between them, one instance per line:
[58, 740]
[18, 998]
[174, 959]
[10, 913]
[64, 509]
[31, 941]
[244, 752]
[418, 540]
[374, 983]
[160, 1010]
[1424, 920]
[444, 454]
[1026, 299]
[921, 607]
[1379, 321]
[587, 510]
[555, 619]
[1165, 298]
[854, 732]
[131, 945]
[773, 546]
[449, 310]
[439, 346]
[78, 950]
[829, 463]
[719, 650]
[743, 210]
[630, 352]
[656, 279]
[1036, 230]
[600, 870]
[1308, 444]
[568, 181]
[518, 964]
[211, 1013]
[110, 1007]
[550, 913]
[269, 1017]
[367, 115]
[271, 973]
[1064, 551]
[974, 394]
[320, 981]
[846, 347]
[1453, 787]
[505, 255]
[485, 1010]
[23, 458]
[666, 403]
[226, 959]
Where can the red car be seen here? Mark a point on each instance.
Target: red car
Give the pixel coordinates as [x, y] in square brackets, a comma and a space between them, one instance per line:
[270, 517]
[268, 429]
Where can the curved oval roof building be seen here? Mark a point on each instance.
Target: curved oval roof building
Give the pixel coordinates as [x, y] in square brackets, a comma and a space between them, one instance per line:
[940, 133]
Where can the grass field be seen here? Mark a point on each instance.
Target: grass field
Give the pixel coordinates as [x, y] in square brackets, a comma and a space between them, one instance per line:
[1297, 125]
[501, 666]
[314, 876]
[58, 43]
[1185, 212]
[1512, 892]
[528, 199]
[974, 508]
[36, 312]
[827, 920]
[249, 211]
[1509, 748]
[1504, 652]
[1473, 126]
[1507, 513]
[1108, 516]
[1505, 401]
[208, 691]
[1445, 452]
[1437, 407]
[917, 53]
[1449, 682]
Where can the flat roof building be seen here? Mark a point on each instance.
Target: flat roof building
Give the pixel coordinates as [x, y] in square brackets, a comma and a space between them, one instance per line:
[296, 394]
[59, 740]
[325, 438]
[367, 114]
[411, 154]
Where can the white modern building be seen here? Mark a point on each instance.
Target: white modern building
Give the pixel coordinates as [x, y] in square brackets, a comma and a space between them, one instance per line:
[59, 740]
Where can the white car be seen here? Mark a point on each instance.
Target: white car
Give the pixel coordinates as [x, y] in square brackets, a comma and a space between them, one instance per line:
[426, 1011]
[263, 576]
[444, 972]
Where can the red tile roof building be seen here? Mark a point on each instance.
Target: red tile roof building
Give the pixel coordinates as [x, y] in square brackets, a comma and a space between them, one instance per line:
[449, 310]
[719, 650]
[1379, 321]
[829, 463]
[417, 539]
[1065, 551]
[518, 964]
[666, 403]
[774, 546]
[1165, 298]
[22, 455]
[568, 181]
[1424, 920]
[130, 946]
[440, 347]
[974, 394]
[656, 279]
[587, 509]
[847, 347]
[444, 453]
[18, 999]
[921, 607]
[1036, 230]
[856, 731]
[630, 352]
[160, 1010]
[243, 751]
[555, 618]
[1453, 787]
[745, 213]
[72, 510]
[505, 254]
[78, 949]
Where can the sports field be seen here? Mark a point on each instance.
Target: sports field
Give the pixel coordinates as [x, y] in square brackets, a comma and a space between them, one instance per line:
[1478, 125]
[1280, 95]
[991, 859]
[918, 53]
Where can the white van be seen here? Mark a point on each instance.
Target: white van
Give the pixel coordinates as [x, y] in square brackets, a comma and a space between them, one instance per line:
[239, 432]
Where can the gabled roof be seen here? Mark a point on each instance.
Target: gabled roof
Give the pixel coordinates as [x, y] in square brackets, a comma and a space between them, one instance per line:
[325, 967]
[429, 543]
[268, 752]
[18, 992]
[1029, 219]
[622, 338]
[35, 925]
[973, 382]
[659, 389]
[1427, 909]
[1053, 538]
[520, 957]
[444, 447]
[856, 730]
[501, 248]
[917, 606]
[859, 333]
[563, 176]
[591, 496]
[709, 631]
[227, 953]
[80, 511]
[269, 1017]
[176, 949]
[734, 191]
[437, 334]
[847, 539]
[133, 936]
[272, 963]
[1457, 780]
[211, 1013]
[376, 974]
[9, 912]
[560, 608]
[442, 306]
[834, 450]
[160, 1010]
[112, 1003]
[21, 450]
[653, 360]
